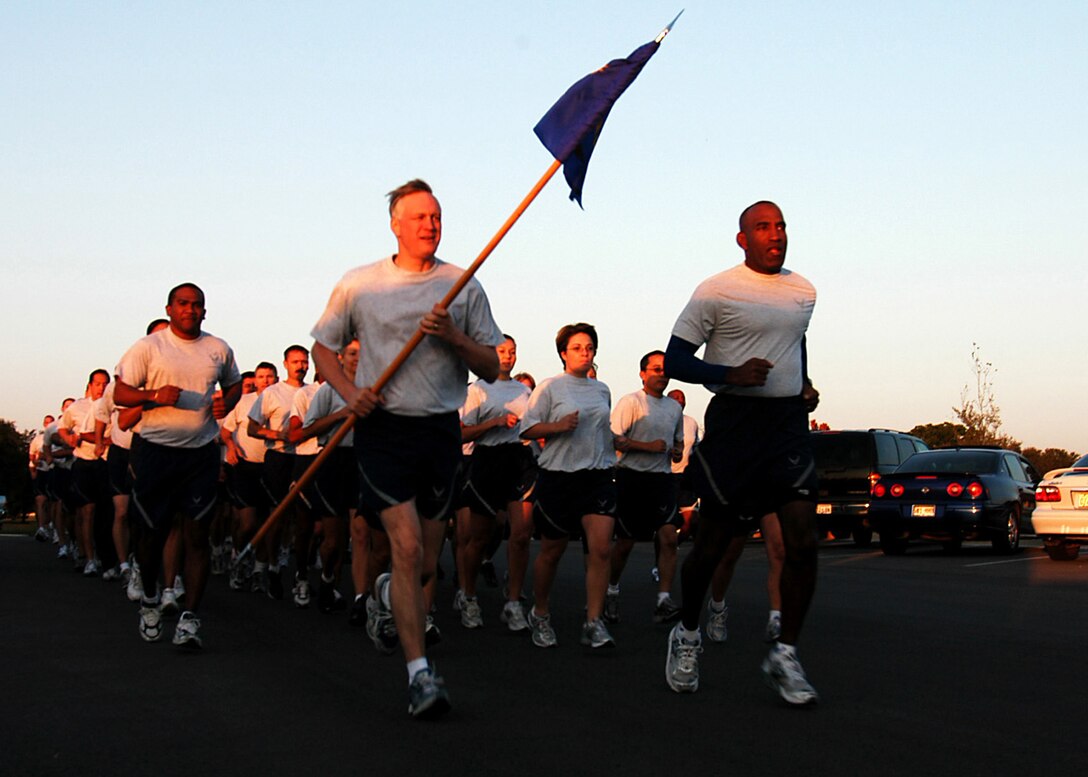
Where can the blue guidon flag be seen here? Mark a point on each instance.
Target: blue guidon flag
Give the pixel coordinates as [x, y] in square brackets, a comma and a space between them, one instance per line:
[570, 128]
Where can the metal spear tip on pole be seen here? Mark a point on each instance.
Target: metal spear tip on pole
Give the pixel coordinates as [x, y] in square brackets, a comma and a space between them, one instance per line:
[668, 28]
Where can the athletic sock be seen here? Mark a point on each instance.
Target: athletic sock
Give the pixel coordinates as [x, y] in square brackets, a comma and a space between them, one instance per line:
[416, 666]
[662, 596]
[689, 635]
[785, 650]
[717, 606]
[613, 589]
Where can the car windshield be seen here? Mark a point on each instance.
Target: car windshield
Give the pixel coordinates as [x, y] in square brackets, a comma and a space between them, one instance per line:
[951, 461]
[1081, 462]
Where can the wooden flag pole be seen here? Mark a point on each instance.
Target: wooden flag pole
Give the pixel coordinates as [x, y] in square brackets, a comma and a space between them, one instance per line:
[341, 432]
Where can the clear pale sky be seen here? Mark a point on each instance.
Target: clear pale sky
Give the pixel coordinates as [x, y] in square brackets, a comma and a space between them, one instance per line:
[930, 158]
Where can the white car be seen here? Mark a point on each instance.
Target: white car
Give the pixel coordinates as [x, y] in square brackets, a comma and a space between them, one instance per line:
[1061, 510]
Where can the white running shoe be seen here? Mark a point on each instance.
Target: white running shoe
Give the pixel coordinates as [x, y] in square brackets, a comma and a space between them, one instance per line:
[611, 608]
[135, 588]
[716, 629]
[774, 628]
[187, 633]
[543, 633]
[432, 635]
[427, 695]
[179, 585]
[513, 615]
[783, 673]
[169, 601]
[302, 593]
[595, 635]
[471, 616]
[150, 622]
[682, 662]
[219, 560]
[667, 611]
[380, 625]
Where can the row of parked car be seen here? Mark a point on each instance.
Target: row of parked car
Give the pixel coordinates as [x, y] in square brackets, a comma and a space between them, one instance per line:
[892, 484]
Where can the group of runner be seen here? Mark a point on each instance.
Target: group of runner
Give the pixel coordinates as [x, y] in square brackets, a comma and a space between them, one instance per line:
[505, 457]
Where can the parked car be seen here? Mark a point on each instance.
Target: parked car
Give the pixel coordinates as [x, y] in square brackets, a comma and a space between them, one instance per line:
[952, 495]
[848, 463]
[1061, 514]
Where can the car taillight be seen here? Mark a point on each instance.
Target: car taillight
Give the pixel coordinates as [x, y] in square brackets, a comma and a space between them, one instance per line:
[1048, 494]
[954, 489]
[878, 490]
[975, 489]
[897, 490]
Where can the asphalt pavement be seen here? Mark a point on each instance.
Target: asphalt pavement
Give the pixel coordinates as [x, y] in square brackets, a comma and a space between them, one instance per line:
[929, 663]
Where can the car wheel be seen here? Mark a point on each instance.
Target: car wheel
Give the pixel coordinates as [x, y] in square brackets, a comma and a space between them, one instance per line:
[1009, 540]
[1062, 550]
[863, 538]
[891, 545]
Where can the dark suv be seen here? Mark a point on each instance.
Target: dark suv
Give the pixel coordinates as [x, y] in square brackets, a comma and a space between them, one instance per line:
[847, 464]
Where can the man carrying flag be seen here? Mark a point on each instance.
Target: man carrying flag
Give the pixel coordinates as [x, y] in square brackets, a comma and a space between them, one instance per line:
[408, 437]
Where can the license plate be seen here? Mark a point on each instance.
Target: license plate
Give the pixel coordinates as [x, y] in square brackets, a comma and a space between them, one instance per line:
[823, 509]
[923, 511]
[1080, 500]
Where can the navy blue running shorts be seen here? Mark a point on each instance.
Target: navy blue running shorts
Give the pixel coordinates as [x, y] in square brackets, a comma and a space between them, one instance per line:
[168, 481]
[120, 474]
[500, 474]
[755, 457]
[336, 487]
[645, 501]
[562, 499]
[401, 458]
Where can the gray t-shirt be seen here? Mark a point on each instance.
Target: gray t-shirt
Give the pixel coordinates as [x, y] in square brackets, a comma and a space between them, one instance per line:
[646, 419]
[589, 446]
[56, 444]
[75, 420]
[490, 400]
[273, 410]
[381, 305]
[237, 423]
[108, 413]
[691, 437]
[741, 314]
[195, 366]
[326, 401]
[311, 446]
